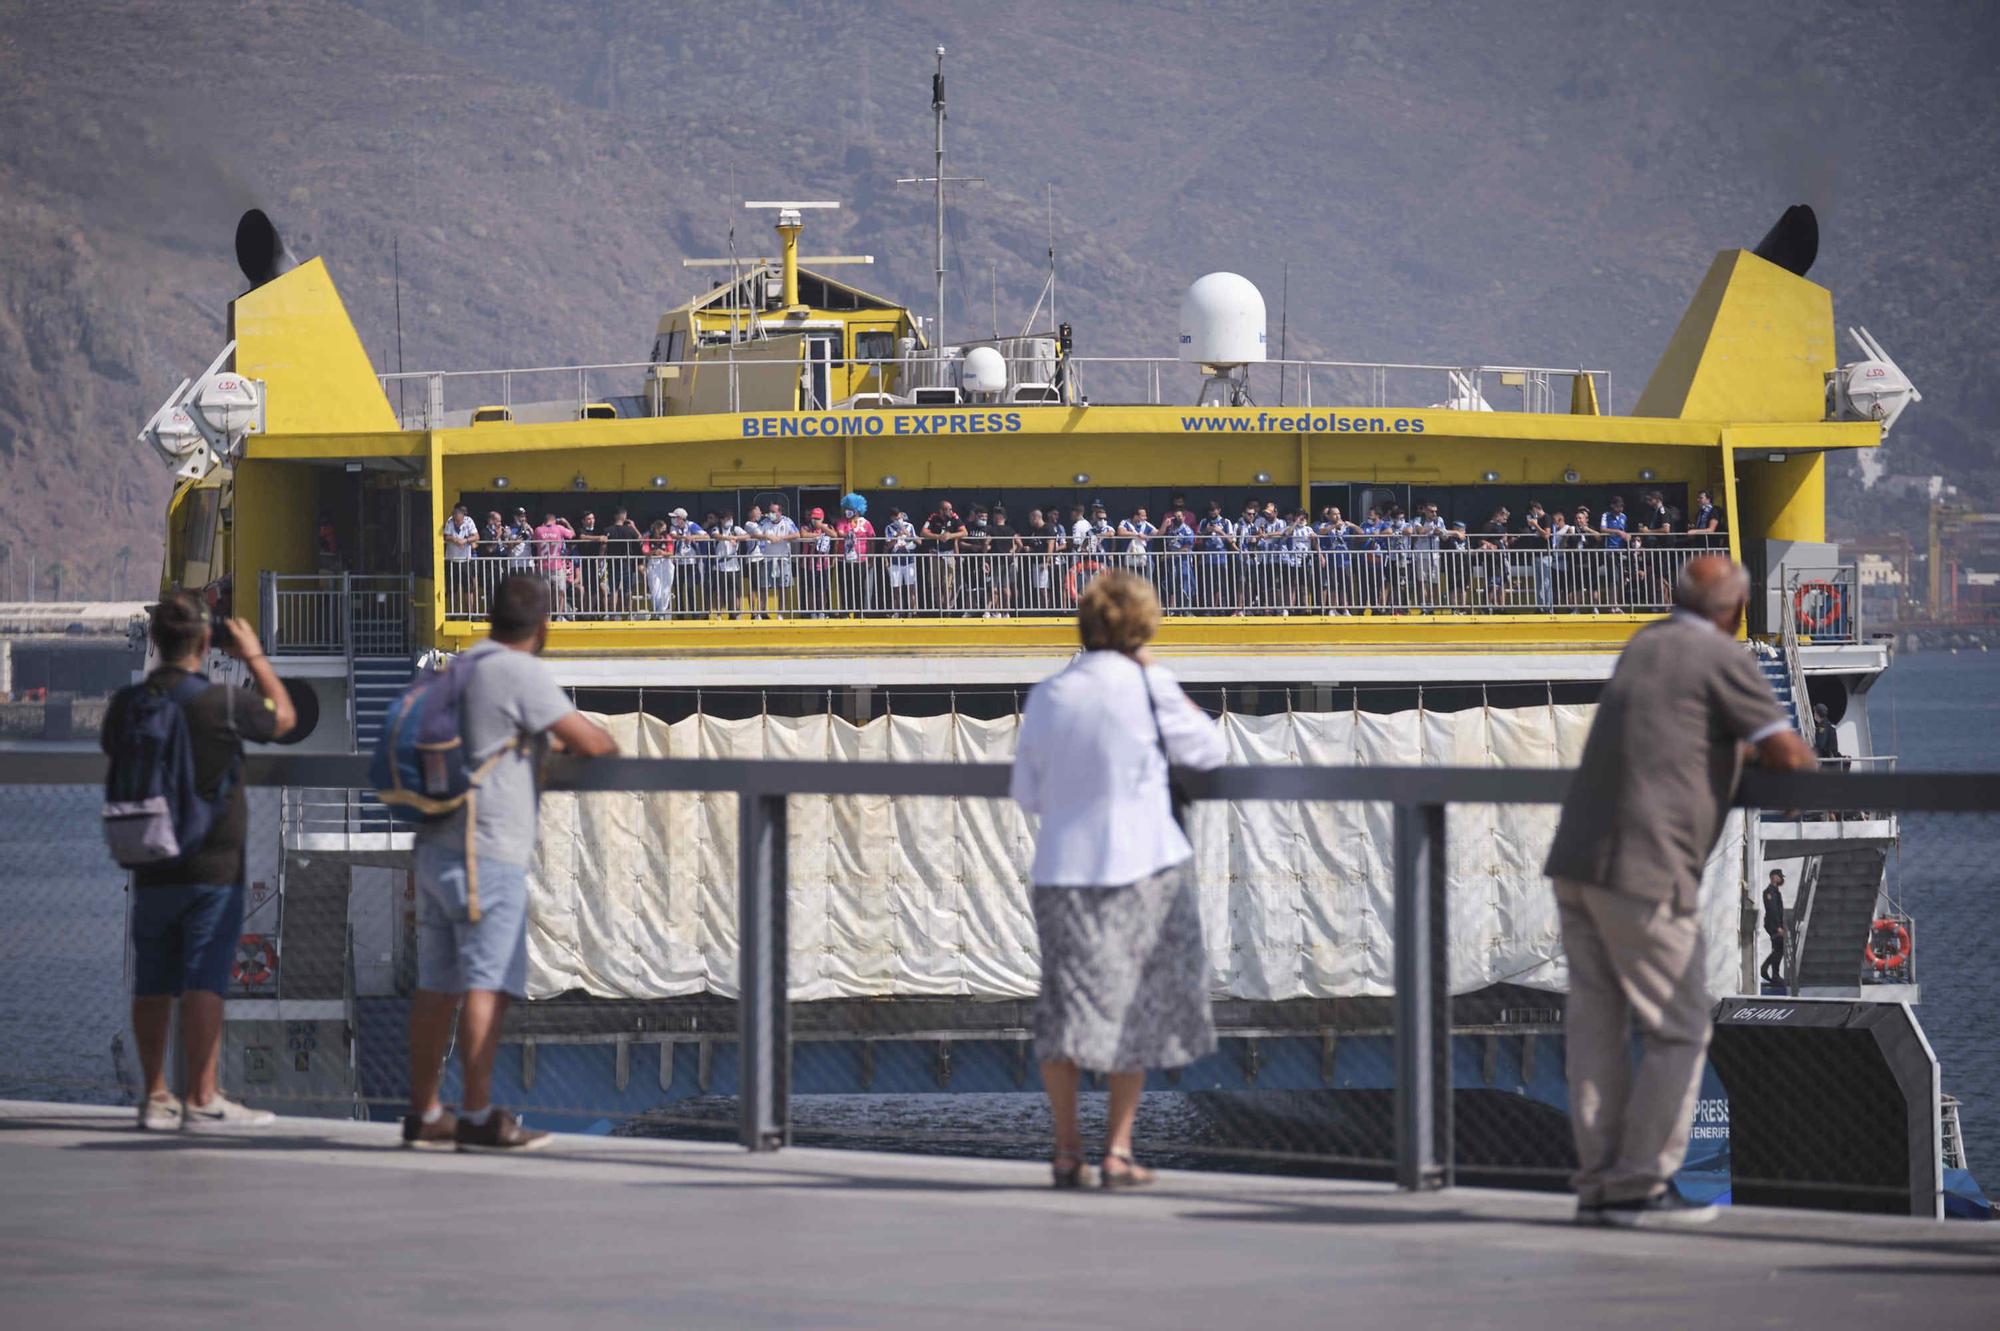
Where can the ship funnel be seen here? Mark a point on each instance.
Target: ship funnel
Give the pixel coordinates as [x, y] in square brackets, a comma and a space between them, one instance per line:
[1793, 241]
[260, 251]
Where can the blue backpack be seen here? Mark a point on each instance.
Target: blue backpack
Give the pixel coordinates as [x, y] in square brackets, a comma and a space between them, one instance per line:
[154, 811]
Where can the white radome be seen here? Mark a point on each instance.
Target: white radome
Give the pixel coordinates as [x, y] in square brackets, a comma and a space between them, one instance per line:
[984, 370]
[1222, 321]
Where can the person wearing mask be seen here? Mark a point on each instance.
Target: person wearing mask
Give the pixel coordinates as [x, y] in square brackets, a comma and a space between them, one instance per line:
[1215, 587]
[728, 539]
[1038, 548]
[1455, 549]
[1492, 548]
[624, 560]
[658, 551]
[902, 539]
[857, 533]
[461, 536]
[587, 572]
[1705, 528]
[1772, 970]
[816, 564]
[943, 531]
[187, 913]
[1177, 542]
[1124, 984]
[754, 547]
[1003, 577]
[974, 564]
[780, 537]
[1135, 535]
[1636, 830]
[690, 562]
[1533, 540]
[1562, 537]
[552, 540]
[471, 875]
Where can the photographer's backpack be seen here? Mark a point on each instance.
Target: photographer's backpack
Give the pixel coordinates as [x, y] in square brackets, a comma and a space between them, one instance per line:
[154, 811]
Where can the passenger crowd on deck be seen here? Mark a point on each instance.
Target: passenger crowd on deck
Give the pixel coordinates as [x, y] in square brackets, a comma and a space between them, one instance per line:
[1267, 560]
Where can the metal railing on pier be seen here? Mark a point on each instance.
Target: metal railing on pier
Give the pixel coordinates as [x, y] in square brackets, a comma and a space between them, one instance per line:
[1418, 1016]
[709, 578]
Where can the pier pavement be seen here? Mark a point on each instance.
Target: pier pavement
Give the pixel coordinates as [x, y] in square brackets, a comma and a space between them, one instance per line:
[317, 1224]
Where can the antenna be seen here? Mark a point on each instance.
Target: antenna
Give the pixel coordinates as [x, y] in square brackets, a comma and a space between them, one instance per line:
[1284, 327]
[396, 250]
[940, 180]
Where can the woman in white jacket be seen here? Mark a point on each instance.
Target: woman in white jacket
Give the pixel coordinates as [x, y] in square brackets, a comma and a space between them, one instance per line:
[1124, 974]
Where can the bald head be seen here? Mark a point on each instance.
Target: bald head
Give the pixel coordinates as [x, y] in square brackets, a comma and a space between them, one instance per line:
[1715, 587]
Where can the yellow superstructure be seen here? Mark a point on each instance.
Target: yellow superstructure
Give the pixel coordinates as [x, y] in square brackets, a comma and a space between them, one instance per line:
[1735, 407]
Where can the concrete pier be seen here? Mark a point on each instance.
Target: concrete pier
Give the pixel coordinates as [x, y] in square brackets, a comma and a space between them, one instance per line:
[317, 1224]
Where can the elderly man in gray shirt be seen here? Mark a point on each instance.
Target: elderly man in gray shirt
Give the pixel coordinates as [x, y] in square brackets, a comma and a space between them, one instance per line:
[1640, 822]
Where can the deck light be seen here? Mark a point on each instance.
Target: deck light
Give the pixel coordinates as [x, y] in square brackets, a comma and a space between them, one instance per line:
[354, 466]
[1263, 478]
[1774, 457]
[1646, 473]
[579, 483]
[889, 482]
[1489, 477]
[1570, 477]
[1082, 478]
[500, 482]
[659, 482]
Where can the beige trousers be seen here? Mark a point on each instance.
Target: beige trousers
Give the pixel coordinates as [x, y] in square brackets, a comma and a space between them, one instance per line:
[1631, 961]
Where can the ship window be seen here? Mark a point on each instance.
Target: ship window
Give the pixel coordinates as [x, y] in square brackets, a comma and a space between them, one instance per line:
[835, 339]
[200, 509]
[875, 344]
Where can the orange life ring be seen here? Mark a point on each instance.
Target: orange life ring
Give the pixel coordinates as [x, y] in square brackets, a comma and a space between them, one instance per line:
[1076, 592]
[1895, 960]
[256, 960]
[1830, 599]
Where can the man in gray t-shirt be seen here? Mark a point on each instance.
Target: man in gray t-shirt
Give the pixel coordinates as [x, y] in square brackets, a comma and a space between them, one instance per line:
[1637, 829]
[510, 709]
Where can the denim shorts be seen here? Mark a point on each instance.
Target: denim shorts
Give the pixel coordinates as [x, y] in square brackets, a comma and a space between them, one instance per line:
[454, 953]
[184, 938]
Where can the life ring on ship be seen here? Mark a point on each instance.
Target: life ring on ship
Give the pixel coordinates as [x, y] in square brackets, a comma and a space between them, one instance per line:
[256, 960]
[1076, 589]
[1832, 606]
[1894, 960]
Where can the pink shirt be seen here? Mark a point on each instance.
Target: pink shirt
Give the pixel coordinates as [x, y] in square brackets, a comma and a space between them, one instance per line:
[552, 536]
[854, 538]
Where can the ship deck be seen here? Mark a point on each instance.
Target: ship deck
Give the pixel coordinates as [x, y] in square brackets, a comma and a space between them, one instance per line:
[325, 1224]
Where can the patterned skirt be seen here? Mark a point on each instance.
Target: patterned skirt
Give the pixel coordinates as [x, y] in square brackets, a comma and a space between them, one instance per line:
[1124, 975]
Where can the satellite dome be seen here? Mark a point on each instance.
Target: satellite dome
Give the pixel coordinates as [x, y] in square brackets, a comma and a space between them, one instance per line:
[1222, 321]
[984, 370]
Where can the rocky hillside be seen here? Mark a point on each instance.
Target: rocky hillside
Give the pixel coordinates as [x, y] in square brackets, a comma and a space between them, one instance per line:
[1448, 182]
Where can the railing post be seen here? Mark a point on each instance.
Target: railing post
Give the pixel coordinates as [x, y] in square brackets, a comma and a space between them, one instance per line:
[763, 1020]
[267, 611]
[1423, 1002]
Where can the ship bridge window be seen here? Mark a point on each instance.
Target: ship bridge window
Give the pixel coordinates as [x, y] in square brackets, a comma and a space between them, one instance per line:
[875, 344]
[667, 349]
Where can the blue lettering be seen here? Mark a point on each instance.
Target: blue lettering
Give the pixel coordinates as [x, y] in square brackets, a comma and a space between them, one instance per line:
[874, 424]
[750, 427]
[1416, 425]
[919, 424]
[940, 422]
[1013, 420]
[1402, 425]
[977, 425]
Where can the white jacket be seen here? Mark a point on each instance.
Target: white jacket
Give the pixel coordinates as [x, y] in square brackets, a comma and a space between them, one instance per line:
[1089, 763]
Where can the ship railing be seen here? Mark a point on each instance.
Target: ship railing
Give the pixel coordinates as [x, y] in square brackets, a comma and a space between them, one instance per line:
[334, 614]
[931, 584]
[1426, 806]
[439, 399]
[1823, 605]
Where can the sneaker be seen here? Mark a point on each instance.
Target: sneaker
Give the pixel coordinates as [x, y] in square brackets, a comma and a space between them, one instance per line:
[1666, 1210]
[223, 1114]
[440, 1134]
[160, 1113]
[500, 1132]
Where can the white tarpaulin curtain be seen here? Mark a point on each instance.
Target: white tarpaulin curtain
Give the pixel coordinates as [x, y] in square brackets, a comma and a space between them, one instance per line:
[633, 895]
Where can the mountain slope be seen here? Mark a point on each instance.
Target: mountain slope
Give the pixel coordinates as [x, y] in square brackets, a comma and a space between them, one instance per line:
[1448, 183]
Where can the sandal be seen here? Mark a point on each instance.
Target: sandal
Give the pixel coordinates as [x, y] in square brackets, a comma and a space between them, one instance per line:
[1068, 1170]
[1134, 1175]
